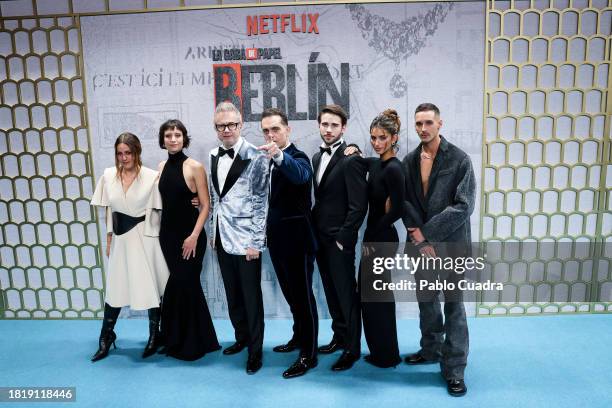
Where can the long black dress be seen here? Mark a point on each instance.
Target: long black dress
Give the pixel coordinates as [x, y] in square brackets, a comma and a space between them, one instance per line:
[386, 180]
[186, 323]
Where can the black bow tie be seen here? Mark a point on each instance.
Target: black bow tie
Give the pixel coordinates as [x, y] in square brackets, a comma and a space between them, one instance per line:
[325, 150]
[229, 152]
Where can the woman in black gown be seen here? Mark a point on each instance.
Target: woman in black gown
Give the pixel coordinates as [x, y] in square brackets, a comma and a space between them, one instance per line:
[386, 202]
[186, 323]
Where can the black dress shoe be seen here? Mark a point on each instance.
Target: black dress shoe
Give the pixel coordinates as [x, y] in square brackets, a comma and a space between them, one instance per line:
[346, 361]
[300, 367]
[332, 347]
[456, 388]
[286, 348]
[254, 363]
[416, 358]
[237, 347]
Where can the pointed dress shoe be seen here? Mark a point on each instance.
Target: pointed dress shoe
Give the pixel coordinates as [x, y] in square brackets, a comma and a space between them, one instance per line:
[332, 347]
[346, 361]
[456, 388]
[254, 363]
[235, 348]
[106, 340]
[416, 359]
[155, 338]
[300, 367]
[286, 348]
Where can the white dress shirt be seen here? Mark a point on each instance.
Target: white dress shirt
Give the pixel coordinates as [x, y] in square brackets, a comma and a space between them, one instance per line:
[325, 158]
[225, 162]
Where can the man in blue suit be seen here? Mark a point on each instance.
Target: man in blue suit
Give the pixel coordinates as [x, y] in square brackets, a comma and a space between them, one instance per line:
[290, 237]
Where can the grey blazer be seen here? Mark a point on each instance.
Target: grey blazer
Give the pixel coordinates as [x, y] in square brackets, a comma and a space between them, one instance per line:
[444, 214]
[240, 210]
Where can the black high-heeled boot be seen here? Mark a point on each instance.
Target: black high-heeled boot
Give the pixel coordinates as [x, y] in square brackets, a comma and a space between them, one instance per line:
[154, 334]
[107, 335]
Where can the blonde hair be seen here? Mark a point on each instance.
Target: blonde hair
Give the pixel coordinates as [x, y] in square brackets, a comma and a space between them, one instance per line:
[228, 107]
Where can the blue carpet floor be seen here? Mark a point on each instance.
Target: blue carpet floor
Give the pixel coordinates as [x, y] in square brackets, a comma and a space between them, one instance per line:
[551, 361]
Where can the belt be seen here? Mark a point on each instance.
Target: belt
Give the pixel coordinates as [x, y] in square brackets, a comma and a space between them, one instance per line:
[122, 223]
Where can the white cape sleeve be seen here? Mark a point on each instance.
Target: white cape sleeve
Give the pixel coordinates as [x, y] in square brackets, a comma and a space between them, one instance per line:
[153, 212]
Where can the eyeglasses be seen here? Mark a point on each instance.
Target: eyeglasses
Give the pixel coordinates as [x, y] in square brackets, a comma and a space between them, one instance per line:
[229, 126]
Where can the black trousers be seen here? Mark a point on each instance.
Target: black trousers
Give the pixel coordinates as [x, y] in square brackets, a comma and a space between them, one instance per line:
[242, 281]
[294, 268]
[337, 269]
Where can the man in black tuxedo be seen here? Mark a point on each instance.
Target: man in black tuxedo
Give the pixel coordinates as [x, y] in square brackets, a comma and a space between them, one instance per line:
[291, 238]
[440, 194]
[340, 206]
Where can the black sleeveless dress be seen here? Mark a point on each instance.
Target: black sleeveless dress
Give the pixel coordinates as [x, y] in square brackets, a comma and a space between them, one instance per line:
[186, 323]
[385, 181]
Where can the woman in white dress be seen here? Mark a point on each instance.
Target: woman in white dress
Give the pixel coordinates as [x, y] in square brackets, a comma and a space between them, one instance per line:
[137, 271]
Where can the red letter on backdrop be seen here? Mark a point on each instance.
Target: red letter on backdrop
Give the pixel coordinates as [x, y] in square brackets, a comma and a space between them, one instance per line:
[252, 25]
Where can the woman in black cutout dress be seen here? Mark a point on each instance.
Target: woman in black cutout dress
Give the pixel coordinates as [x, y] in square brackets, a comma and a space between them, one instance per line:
[186, 322]
[386, 202]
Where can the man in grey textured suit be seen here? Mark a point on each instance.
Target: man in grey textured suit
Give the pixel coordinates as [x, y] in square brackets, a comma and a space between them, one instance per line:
[440, 194]
[239, 205]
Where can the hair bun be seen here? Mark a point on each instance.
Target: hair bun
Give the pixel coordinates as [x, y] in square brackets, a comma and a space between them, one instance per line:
[391, 112]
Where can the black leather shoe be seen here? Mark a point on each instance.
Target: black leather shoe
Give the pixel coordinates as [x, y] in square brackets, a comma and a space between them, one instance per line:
[416, 359]
[107, 335]
[104, 346]
[155, 337]
[253, 364]
[300, 367]
[346, 361]
[456, 388]
[286, 348]
[237, 347]
[332, 347]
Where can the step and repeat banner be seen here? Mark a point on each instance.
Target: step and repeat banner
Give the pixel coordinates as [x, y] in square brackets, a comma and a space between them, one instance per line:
[142, 69]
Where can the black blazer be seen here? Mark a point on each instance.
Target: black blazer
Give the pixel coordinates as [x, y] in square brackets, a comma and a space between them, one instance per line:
[444, 214]
[289, 214]
[341, 199]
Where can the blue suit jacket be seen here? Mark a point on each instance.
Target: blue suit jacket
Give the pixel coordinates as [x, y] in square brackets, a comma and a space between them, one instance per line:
[289, 217]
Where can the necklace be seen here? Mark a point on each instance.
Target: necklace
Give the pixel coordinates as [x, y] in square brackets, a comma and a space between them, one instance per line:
[425, 156]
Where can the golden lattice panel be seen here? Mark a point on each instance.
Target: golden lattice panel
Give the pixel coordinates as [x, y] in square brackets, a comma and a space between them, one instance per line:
[50, 264]
[546, 155]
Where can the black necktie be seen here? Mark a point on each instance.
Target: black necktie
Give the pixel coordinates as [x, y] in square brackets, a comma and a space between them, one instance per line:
[325, 150]
[229, 152]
